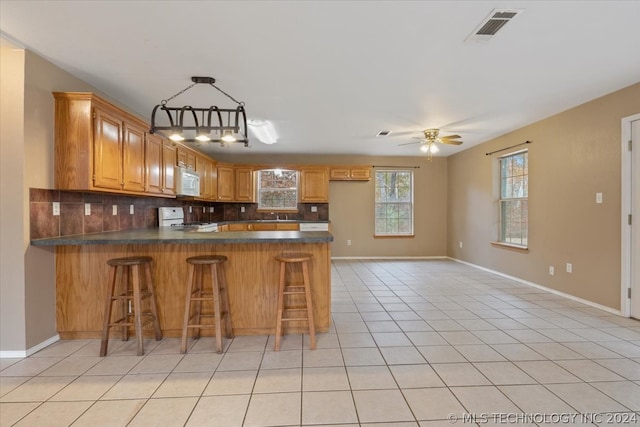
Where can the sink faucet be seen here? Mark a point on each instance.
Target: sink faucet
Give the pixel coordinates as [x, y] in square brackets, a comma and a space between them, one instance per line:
[277, 217]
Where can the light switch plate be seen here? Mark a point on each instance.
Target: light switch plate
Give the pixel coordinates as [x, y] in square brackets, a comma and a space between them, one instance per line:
[598, 198]
[131, 210]
[114, 209]
[56, 208]
[314, 209]
[87, 208]
[242, 209]
[211, 209]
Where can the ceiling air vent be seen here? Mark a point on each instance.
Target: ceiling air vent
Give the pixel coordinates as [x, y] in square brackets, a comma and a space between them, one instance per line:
[492, 24]
[383, 133]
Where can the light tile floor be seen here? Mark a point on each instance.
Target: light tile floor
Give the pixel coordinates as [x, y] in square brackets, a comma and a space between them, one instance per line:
[412, 342]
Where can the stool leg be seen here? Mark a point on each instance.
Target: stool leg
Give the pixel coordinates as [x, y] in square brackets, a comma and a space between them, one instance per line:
[307, 292]
[137, 307]
[153, 304]
[199, 288]
[125, 272]
[224, 294]
[187, 310]
[216, 306]
[107, 312]
[280, 306]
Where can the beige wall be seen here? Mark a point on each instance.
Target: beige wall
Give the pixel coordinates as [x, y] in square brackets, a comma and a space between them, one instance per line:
[573, 155]
[28, 275]
[12, 199]
[351, 206]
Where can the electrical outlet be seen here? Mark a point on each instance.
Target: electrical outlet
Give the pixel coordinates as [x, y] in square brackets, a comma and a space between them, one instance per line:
[131, 210]
[598, 198]
[211, 210]
[569, 268]
[204, 210]
[87, 208]
[56, 208]
[190, 209]
[114, 209]
[552, 270]
[348, 242]
[314, 209]
[241, 209]
[460, 245]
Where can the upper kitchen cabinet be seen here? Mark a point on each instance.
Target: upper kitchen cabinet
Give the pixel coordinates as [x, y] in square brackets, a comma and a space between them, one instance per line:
[160, 160]
[186, 158]
[226, 183]
[314, 185]
[244, 184]
[350, 173]
[206, 167]
[99, 147]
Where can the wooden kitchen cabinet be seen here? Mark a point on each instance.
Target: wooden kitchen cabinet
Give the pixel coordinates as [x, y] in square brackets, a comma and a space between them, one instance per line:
[350, 173]
[153, 153]
[208, 182]
[186, 158]
[160, 156]
[314, 185]
[99, 147]
[290, 226]
[244, 184]
[238, 226]
[226, 183]
[169, 153]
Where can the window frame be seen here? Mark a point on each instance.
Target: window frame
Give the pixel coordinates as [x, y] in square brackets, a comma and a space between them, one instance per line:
[504, 200]
[260, 189]
[411, 202]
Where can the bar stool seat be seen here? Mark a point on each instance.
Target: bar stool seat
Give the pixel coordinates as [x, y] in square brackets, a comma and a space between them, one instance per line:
[217, 295]
[290, 290]
[131, 295]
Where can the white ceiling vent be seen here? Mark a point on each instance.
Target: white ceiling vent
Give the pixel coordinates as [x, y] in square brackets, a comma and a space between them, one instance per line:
[492, 24]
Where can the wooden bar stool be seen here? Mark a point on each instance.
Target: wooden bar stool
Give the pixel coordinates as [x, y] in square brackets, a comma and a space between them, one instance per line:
[295, 288]
[130, 296]
[218, 296]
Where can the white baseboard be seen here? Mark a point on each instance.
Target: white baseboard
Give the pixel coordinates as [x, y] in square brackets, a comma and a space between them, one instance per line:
[19, 354]
[388, 257]
[544, 288]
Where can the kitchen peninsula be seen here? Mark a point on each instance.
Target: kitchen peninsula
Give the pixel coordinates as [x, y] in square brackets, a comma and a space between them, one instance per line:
[251, 273]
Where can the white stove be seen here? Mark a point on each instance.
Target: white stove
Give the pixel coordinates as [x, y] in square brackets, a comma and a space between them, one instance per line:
[173, 217]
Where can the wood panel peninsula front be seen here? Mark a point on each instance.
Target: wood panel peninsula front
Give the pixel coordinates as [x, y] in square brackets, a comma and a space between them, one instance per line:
[251, 272]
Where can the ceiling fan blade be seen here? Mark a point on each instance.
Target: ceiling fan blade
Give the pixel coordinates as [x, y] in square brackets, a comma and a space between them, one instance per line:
[409, 143]
[451, 137]
[451, 142]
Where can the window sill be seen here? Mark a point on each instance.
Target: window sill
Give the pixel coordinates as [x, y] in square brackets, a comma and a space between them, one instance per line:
[511, 247]
[393, 236]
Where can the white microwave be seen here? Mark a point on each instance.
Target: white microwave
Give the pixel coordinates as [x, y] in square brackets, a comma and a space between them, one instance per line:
[187, 182]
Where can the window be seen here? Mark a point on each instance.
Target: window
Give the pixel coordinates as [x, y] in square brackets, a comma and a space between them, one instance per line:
[278, 189]
[514, 208]
[394, 203]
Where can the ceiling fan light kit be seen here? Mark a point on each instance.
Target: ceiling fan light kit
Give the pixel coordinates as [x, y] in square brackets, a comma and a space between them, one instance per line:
[430, 140]
[201, 124]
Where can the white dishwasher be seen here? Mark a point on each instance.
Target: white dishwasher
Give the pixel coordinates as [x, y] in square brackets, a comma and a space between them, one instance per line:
[314, 226]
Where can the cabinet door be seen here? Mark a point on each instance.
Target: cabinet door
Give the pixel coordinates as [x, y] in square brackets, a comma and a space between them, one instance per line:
[181, 157]
[168, 167]
[287, 226]
[201, 168]
[361, 174]
[244, 184]
[107, 150]
[213, 180]
[133, 170]
[153, 155]
[339, 174]
[225, 184]
[191, 160]
[241, 226]
[262, 226]
[314, 185]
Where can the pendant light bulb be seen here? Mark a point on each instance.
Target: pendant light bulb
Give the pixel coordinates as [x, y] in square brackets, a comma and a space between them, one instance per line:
[424, 148]
[227, 136]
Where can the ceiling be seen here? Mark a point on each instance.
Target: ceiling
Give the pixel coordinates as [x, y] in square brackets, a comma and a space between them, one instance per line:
[331, 74]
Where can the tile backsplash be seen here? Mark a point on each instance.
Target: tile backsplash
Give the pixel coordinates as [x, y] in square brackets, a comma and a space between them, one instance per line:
[73, 220]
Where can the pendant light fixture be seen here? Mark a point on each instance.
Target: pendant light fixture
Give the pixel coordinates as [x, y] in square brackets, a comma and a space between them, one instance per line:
[201, 124]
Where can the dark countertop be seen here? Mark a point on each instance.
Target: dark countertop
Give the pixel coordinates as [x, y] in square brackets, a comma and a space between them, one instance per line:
[158, 235]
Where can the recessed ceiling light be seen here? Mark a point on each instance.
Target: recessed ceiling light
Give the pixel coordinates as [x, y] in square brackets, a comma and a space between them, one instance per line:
[383, 133]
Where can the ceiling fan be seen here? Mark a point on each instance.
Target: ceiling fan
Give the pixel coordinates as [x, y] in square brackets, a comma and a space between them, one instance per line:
[430, 138]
